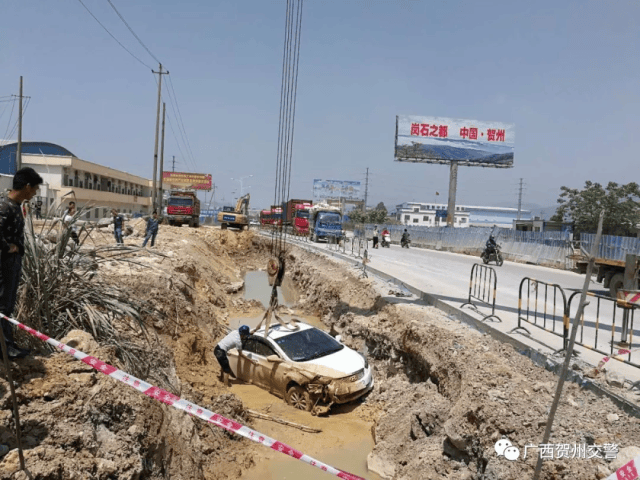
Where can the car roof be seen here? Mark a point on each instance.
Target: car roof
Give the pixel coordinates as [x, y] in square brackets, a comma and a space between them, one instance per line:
[278, 331]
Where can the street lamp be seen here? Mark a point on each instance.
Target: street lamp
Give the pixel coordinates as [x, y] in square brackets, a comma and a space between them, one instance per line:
[241, 184]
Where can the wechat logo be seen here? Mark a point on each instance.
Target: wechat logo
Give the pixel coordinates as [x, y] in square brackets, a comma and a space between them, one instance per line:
[504, 448]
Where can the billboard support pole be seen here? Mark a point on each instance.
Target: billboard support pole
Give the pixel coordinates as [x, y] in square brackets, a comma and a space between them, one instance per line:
[453, 183]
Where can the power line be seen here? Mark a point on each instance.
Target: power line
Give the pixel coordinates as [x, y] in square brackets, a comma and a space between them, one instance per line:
[111, 35]
[133, 33]
[24, 112]
[9, 122]
[180, 115]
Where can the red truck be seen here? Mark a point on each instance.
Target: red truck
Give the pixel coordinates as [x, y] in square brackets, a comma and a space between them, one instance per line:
[183, 207]
[301, 218]
[289, 210]
[276, 215]
[265, 217]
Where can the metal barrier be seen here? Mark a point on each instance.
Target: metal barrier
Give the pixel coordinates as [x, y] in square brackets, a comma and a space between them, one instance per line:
[480, 281]
[619, 312]
[557, 311]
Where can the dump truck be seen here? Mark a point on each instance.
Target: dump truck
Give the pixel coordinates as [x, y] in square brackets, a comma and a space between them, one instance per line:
[183, 206]
[238, 218]
[325, 222]
[301, 218]
[289, 209]
[612, 272]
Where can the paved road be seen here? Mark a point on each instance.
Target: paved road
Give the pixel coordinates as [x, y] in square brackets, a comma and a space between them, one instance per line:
[446, 275]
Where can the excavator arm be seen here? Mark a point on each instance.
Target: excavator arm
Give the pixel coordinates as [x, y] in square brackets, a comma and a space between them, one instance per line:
[243, 204]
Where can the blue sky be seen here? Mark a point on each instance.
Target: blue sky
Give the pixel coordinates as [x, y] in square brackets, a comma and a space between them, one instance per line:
[565, 73]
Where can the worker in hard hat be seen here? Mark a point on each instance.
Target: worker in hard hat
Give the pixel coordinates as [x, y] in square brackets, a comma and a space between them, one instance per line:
[235, 339]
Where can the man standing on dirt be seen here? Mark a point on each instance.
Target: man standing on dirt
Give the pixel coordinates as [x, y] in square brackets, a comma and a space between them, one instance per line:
[152, 229]
[25, 185]
[67, 219]
[235, 339]
[118, 225]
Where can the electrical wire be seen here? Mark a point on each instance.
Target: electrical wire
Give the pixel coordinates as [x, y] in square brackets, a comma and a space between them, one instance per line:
[24, 112]
[132, 32]
[111, 35]
[13, 106]
[181, 122]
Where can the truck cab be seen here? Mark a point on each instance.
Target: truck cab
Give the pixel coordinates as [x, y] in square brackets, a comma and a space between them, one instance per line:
[183, 206]
[325, 223]
[301, 219]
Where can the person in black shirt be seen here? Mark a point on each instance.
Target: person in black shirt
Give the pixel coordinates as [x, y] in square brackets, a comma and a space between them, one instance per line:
[26, 182]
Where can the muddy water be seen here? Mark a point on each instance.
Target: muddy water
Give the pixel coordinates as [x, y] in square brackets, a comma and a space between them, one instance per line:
[256, 287]
[344, 443]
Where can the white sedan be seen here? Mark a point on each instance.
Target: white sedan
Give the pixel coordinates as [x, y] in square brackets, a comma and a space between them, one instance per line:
[305, 366]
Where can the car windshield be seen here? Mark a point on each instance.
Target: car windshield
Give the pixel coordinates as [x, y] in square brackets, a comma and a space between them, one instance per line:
[303, 214]
[308, 344]
[180, 202]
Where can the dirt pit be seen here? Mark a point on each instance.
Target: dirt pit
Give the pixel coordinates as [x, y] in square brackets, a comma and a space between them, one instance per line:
[444, 394]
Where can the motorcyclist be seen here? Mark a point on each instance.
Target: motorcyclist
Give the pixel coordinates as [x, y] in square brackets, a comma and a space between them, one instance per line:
[491, 245]
[405, 237]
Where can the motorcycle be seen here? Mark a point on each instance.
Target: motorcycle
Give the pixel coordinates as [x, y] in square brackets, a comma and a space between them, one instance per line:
[495, 256]
[386, 240]
[404, 243]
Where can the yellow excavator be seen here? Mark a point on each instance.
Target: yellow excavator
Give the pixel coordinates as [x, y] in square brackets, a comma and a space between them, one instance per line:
[239, 218]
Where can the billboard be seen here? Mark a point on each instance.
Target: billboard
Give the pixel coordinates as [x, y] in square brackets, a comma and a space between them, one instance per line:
[336, 190]
[446, 140]
[196, 181]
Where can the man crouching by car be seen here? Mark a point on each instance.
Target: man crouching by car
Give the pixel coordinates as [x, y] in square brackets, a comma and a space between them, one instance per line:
[235, 339]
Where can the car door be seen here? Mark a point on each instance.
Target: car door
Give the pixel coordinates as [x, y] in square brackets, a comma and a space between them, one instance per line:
[270, 375]
[243, 368]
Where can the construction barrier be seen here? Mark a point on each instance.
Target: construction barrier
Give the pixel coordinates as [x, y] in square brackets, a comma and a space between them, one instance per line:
[553, 295]
[608, 314]
[482, 282]
[191, 408]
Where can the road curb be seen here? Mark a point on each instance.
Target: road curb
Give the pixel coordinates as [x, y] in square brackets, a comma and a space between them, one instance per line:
[537, 357]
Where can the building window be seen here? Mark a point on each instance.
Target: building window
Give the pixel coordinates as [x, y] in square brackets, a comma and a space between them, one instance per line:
[425, 218]
[104, 212]
[88, 215]
[415, 220]
[407, 218]
[97, 213]
[416, 209]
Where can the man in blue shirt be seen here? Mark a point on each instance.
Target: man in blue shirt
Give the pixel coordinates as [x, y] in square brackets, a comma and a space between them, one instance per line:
[118, 225]
[152, 229]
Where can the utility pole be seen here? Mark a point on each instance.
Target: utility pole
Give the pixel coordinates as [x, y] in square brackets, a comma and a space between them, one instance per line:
[520, 200]
[164, 112]
[155, 151]
[366, 191]
[19, 152]
[453, 184]
[173, 166]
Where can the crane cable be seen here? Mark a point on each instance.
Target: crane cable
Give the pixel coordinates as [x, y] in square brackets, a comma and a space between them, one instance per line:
[288, 96]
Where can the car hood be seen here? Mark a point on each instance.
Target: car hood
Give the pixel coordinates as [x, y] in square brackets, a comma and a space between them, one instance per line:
[337, 365]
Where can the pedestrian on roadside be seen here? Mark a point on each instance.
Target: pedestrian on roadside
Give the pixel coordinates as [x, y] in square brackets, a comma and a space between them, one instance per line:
[118, 225]
[375, 236]
[68, 222]
[152, 229]
[235, 339]
[26, 182]
[38, 210]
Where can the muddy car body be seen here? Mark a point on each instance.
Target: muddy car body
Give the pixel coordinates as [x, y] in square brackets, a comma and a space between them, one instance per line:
[306, 367]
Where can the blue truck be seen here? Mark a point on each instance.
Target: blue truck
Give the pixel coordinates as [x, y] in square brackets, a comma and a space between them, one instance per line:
[325, 222]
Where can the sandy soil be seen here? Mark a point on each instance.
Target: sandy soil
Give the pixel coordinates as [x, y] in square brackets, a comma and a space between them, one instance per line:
[444, 394]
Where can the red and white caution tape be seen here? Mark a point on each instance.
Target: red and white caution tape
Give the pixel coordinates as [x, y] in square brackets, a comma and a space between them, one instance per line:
[629, 471]
[191, 408]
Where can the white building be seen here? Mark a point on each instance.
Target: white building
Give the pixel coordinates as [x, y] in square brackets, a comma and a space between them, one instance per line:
[67, 177]
[417, 213]
[430, 215]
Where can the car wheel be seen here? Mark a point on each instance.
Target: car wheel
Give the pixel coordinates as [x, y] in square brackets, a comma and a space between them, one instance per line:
[299, 398]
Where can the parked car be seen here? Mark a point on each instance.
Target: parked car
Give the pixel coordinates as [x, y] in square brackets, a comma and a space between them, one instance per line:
[306, 366]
